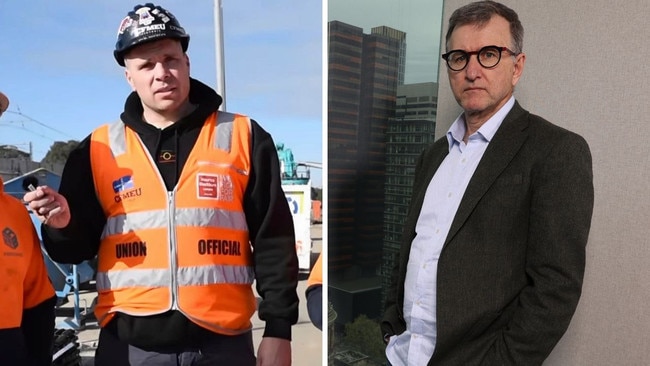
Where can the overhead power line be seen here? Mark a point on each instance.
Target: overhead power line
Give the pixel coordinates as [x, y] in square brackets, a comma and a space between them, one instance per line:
[20, 125]
[19, 113]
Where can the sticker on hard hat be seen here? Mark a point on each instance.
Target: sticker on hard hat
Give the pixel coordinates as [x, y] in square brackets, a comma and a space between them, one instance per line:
[145, 17]
[139, 31]
[126, 22]
[160, 15]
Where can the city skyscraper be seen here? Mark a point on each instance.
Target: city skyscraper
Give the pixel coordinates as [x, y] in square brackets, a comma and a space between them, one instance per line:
[364, 73]
[344, 99]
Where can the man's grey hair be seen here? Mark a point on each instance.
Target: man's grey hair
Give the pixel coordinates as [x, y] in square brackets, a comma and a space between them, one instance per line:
[479, 13]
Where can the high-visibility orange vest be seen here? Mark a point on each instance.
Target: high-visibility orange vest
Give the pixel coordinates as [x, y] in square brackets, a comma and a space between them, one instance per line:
[186, 250]
[24, 283]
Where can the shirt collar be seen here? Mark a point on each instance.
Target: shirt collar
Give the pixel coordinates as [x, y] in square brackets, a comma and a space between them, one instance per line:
[457, 130]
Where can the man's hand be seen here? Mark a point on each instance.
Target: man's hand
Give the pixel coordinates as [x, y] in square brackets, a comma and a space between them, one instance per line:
[49, 206]
[274, 352]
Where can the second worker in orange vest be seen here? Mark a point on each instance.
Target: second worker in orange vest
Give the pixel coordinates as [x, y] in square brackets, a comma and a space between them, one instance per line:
[184, 207]
[26, 295]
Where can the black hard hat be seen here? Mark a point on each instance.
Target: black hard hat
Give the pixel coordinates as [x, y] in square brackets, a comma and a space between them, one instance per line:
[147, 23]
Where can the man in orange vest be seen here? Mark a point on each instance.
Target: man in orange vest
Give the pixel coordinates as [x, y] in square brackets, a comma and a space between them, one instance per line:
[27, 298]
[183, 206]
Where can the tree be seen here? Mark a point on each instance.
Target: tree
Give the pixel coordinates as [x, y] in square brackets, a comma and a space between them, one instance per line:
[59, 152]
[364, 335]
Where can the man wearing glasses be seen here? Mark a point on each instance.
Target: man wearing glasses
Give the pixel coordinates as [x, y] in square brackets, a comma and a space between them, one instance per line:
[493, 251]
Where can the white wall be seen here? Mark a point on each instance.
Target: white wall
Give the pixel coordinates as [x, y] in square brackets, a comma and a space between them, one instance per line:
[588, 69]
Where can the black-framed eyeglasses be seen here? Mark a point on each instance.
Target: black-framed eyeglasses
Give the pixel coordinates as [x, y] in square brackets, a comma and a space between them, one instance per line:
[488, 57]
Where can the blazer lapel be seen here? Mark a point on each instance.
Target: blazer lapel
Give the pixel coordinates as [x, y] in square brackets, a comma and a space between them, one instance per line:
[500, 151]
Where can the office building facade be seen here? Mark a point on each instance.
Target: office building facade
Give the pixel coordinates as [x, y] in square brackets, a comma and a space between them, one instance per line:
[409, 133]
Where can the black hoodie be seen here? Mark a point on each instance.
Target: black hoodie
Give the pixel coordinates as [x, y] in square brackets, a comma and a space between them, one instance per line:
[267, 214]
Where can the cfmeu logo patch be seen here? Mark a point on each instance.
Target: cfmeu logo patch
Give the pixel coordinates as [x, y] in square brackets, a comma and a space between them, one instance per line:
[125, 189]
[10, 238]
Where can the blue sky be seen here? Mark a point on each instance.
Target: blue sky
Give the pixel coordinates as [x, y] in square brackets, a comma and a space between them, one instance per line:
[58, 70]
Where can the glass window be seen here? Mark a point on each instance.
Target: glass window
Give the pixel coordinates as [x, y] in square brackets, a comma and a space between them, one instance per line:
[383, 58]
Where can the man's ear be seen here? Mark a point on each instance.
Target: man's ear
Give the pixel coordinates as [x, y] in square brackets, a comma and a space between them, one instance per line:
[129, 79]
[518, 68]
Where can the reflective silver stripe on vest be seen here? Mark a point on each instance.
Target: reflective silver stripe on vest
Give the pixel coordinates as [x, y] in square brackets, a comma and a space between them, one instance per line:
[157, 219]
[210, 217]
[187, 276]
[117, 138]
[209, 275]
[225, 124]
[123, 224]
[132, 278]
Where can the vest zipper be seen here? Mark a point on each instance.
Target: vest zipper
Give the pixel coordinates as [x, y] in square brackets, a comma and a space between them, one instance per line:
[173, 265]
